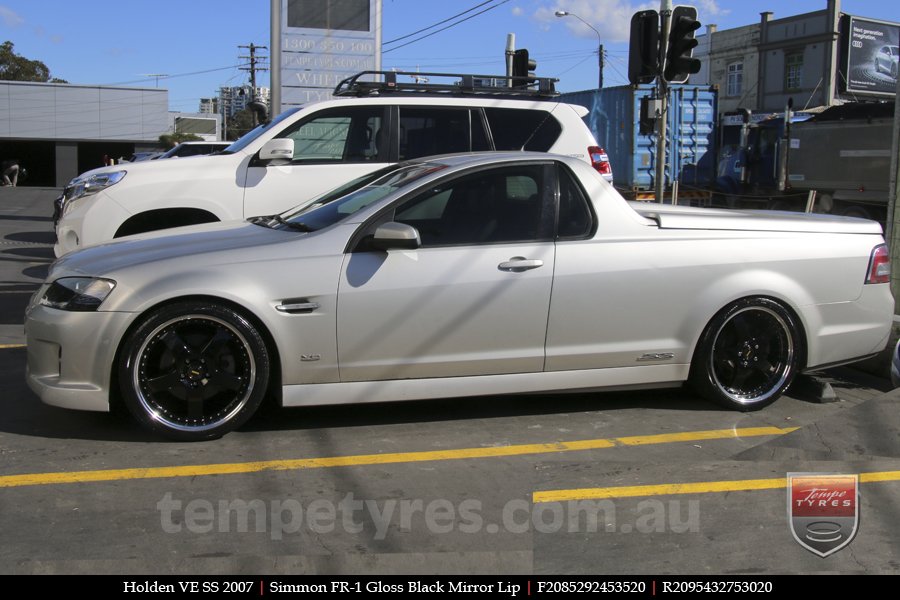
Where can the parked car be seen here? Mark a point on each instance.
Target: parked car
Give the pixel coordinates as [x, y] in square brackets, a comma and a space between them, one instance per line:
[886, 60]
[433, 278]
[307, 151]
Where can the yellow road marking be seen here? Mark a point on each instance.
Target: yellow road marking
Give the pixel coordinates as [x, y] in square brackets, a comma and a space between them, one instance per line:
[8, 481]
[697, 436]
[881, 476]
[6, 346]
[704, 487]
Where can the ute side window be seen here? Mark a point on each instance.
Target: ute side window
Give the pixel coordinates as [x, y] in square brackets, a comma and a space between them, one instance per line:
[495, 206]
[575, 219]
[340, 135]
[522, 129]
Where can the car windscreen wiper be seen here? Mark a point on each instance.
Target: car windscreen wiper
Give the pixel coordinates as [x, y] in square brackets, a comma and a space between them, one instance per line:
[272, 221]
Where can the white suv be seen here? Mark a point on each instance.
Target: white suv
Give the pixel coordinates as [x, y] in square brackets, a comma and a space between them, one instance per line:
[309, 150]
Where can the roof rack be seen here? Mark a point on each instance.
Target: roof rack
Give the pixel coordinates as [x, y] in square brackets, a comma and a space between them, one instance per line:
[385, 82]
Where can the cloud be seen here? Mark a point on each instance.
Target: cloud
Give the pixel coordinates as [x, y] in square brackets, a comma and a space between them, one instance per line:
[612, 18]
[517, 11]
[10, 17]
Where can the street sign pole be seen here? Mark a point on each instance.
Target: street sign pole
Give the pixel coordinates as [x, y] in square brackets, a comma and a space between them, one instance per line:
[662, 91]
[892, 235]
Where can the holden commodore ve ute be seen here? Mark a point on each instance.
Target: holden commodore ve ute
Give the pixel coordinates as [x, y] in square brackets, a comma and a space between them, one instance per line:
[455, 276]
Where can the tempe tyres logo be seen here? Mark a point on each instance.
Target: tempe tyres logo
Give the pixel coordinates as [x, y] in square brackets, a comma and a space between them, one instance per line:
[823, 510]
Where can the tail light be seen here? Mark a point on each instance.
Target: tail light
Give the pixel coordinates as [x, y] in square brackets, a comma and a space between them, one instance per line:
[879, 265]
[599, 160]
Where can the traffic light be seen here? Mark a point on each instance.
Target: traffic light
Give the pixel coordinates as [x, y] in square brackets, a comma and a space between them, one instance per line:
[523, 67]
[643, 47]
[679, 61]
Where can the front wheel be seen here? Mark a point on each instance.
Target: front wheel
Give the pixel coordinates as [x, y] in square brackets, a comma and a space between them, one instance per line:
[193, 371]
[748, 355]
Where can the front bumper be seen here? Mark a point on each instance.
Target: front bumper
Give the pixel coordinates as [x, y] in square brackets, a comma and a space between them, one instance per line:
[71, 355]
[87, 221]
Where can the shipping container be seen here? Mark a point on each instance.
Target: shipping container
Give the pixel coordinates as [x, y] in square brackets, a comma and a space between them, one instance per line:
[615, 120]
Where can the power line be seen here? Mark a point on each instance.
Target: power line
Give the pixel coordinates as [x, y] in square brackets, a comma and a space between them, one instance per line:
[445, 28]
[178, 75]
[409, 35]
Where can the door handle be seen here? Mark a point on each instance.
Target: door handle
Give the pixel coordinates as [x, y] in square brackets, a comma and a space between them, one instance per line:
[517, 264]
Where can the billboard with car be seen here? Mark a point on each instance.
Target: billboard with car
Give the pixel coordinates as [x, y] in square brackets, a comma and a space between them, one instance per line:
[869, 61]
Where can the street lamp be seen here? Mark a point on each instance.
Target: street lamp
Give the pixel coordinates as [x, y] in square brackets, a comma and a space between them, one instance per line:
[565, 13]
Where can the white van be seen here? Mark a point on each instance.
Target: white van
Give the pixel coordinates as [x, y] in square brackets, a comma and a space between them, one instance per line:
[309, 150]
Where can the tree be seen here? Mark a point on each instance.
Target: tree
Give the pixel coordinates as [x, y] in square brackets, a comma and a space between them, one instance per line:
[239, 124]
[15, 67]
[170, 140]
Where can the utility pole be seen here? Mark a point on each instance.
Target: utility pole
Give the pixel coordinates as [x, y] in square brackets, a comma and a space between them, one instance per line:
[253, 67]
[600, 57]
[602, 64]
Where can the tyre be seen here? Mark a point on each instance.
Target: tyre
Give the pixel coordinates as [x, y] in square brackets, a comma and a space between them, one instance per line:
[855, 211]
[748, 355]
[193, 371]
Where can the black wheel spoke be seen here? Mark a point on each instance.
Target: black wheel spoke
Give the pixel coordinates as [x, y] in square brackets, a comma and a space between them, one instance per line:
[195, 398]
[742, 328]
[739, 377]
[178, 348]
[166, 382]
[217, 343]
[224, 381]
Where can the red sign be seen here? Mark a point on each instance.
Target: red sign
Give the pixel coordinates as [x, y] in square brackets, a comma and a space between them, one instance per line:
[823, 510]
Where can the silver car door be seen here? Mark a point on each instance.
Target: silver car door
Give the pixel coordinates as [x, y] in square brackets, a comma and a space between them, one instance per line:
[472, 300]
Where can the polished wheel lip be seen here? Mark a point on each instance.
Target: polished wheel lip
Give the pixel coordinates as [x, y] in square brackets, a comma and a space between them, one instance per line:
[154, 411]
[784, 371]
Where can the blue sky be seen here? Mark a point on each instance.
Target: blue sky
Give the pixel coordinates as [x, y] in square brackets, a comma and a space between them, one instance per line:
[196, 43]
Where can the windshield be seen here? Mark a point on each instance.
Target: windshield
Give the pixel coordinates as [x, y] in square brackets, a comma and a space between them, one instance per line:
[342, 202]
[251, 136]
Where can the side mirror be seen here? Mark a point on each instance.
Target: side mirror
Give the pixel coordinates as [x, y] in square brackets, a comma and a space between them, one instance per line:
[278, 149]
[396, 236]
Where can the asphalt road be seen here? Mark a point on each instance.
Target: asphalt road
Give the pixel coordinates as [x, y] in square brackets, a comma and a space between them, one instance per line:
[654, 482]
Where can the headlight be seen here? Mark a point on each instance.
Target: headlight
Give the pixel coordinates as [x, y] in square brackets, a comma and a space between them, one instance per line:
[83, 294]
[92, 184]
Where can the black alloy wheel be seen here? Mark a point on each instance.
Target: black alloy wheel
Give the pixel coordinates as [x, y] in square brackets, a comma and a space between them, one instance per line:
[193, 371]
[748, 355]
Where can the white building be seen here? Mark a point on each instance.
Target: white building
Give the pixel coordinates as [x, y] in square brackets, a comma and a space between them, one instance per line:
[233, 100]
[58, 130]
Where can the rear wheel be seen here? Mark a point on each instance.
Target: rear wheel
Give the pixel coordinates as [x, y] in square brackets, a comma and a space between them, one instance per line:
[855, 211]
[748, 355]
[193, 371]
